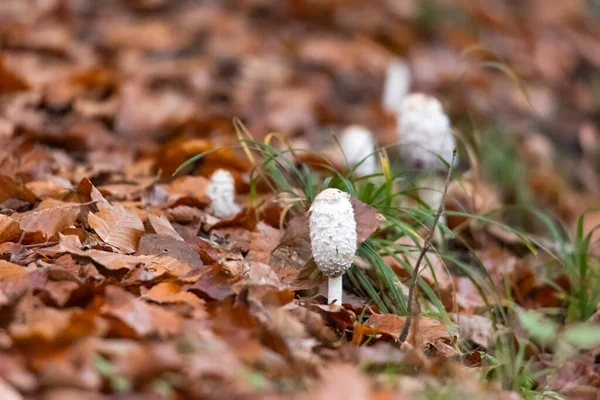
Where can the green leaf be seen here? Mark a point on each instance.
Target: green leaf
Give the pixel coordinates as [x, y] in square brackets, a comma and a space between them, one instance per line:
[539, 327]
[582, 336]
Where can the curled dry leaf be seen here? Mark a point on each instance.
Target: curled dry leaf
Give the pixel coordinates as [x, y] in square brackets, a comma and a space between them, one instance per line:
[9, 228]
[118, 227]
[162, 226]
[50, 217]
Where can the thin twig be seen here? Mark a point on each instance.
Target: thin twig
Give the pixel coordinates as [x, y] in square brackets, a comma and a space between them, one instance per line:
[426, 246]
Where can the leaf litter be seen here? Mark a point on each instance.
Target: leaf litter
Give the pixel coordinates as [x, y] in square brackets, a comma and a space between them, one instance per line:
[115, 279]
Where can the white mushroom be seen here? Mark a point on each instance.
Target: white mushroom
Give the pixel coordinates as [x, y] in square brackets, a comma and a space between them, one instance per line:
[396, 86]
[333, 237]
[425, 136]
[221, 191]
[424, 132]
[358, 146]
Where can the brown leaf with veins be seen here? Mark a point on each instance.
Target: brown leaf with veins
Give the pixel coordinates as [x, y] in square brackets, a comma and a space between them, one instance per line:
[50, 217]
[151, 267]
[162, 226]
[118, 227]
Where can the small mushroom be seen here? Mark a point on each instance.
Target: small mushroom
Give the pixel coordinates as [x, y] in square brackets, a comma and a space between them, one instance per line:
[424, 132]
[333, 237]
[396, 86]
[221, 191]
[358, 146]
[425, 136]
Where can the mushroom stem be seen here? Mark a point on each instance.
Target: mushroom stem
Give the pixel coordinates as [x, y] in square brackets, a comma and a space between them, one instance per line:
[334, 290]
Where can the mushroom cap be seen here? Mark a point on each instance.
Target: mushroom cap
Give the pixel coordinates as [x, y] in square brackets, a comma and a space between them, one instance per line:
[333, 234]
[221, 191]
[358, 146]
[424, 132]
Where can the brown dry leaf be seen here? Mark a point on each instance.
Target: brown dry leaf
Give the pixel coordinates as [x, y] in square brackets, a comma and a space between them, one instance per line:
[162, 226]
[342, 381]
[161, 245]
[11, 272]
[11, 189]
[428, 329]
[118, 227]
[189, 186]
[263, 240]
[9, 81]
[151, 267]
[45, 324]
[16, 279]
[169, 293]
[9, 228]
[367, 219]
[50, 217]
[210, 286]
[480, 330]
[7, 392]
[140, 318]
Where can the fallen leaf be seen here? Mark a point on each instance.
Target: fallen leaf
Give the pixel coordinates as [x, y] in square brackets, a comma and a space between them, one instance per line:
[428, 329]
[16, 279]
[50, 217]
[9, 81]
[118, 227]
[343, 381]
[161, 245]
[9, 228]
[162, 226]
[11, 189]
[140, 318]
[150, 267]
[480, 330]
[7, 392]
[367, 219]
[171, 293]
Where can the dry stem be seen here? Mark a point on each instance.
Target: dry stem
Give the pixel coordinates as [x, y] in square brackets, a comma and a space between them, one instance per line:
[426, 246]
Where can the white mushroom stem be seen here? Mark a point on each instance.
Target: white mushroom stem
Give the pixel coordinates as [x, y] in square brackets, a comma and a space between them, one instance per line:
[334, 289]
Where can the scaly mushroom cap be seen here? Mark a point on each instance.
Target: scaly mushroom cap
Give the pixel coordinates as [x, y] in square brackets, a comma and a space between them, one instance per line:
[424, 132]
[221, 191]
[358, 147]
[333, 232]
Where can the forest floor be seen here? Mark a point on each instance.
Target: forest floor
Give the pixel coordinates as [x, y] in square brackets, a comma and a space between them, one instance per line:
[117, 281]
